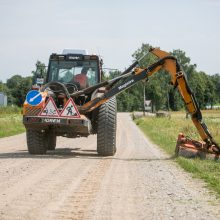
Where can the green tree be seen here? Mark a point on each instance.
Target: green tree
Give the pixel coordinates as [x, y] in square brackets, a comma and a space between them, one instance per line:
[176, 102]
[4, 88]
[216, 81]
[184, 61]
[158, 89]
[210, 96]
[39, 72]
[18, 87]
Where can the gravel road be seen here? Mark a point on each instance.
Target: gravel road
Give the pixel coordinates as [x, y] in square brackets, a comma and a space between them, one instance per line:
[139, 182]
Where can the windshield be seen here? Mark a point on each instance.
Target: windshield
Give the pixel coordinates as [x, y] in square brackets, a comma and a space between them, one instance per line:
[83, 72]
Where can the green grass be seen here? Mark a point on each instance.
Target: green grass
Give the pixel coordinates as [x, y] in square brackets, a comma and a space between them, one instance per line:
[164, 131]
[10, 121]
[9, 110]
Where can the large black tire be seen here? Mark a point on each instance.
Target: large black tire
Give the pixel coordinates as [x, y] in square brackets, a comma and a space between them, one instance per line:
[52, 140]
[106, 133]
[36, 141]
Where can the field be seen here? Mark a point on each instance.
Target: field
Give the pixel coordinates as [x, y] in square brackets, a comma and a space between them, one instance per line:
[164, 131]
[10, 121]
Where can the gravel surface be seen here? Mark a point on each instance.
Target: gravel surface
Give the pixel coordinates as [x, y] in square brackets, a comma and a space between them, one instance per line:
[73, 182]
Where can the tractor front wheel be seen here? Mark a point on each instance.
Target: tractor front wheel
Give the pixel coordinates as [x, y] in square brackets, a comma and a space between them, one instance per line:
[107, 123]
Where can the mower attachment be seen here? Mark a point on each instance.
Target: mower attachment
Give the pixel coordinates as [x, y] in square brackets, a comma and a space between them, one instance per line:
[189, 148]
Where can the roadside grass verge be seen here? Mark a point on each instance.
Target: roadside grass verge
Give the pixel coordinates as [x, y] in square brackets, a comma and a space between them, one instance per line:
[164, 132]
[10, 121]
[9, 110]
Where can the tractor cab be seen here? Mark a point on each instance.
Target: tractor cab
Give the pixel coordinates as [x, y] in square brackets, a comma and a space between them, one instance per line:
[74, 67]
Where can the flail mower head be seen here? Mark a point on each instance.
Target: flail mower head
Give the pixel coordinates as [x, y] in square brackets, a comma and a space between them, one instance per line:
[189, 148]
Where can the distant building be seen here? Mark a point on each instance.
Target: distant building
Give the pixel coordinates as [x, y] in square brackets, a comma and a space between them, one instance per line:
[3, 99]
[212, 107]
[148, 106]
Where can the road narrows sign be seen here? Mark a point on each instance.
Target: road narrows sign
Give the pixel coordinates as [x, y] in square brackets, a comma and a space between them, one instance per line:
[50, 109]
[70, 110]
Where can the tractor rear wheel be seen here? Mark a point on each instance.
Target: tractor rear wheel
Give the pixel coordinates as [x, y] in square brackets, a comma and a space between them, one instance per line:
[106, 133]
[36, 141]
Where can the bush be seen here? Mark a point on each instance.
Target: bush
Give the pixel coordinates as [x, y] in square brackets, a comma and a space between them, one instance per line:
[9, 110]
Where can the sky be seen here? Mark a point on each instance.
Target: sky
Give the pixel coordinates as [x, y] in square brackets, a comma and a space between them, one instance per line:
[32, 30]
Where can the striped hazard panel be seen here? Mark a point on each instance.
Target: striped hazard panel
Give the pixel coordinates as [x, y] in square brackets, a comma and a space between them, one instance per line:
[30, 111]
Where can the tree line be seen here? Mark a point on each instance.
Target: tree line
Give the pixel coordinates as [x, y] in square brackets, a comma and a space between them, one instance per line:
[164, 96]
[158, 89]
[17, 87]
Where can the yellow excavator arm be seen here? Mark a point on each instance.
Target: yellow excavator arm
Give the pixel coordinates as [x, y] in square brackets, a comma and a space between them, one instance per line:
[178, 79]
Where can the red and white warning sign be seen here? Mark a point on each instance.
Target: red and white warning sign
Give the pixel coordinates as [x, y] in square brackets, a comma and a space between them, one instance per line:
[70, 110]
[50, 109]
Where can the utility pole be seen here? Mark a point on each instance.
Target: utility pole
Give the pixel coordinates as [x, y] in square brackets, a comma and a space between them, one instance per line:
[168, 101]
[144, 98]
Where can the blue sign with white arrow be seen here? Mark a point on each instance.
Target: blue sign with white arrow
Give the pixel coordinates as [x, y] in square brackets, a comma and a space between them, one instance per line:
[34, 97]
